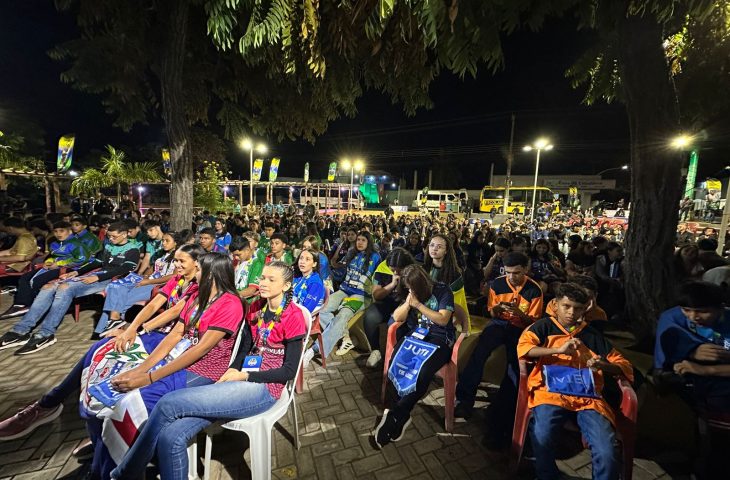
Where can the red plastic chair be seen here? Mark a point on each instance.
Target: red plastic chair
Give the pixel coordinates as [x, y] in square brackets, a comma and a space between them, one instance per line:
[315, 330]
[625, 422]
[449, 372]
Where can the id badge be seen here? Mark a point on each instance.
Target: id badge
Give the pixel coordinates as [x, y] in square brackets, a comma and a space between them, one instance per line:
[179, 348]
[252, 363]
[420, 333]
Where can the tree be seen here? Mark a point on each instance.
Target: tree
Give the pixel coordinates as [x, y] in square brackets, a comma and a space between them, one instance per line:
[115, 171]
[208, 193]
[298, 65]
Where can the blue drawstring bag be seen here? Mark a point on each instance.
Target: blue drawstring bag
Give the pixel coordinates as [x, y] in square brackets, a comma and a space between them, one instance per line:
[564, 380]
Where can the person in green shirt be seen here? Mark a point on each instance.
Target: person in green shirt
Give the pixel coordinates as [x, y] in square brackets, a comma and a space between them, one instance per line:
[279, 252]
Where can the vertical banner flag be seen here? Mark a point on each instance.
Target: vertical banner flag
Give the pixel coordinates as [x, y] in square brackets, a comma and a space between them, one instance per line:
[258, 164]
[166, 163]
[306, 172]
[274, 170]
[689, 188]
[332, 172]
[65, 152]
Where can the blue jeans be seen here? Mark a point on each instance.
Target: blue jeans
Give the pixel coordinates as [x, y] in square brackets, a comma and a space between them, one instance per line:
[54, 301]
[333, 319]
[119, 298]
[548, 420]
[180, 415]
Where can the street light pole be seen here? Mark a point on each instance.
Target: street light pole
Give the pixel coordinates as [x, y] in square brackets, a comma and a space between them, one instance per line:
[539, 145]
[622, 167]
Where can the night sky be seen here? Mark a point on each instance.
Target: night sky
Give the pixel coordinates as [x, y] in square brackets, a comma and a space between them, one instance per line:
[468, 126]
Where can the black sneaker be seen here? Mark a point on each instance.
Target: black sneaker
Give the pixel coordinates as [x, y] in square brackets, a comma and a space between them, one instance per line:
[12, 339]
[15, 311]
[36, 343]
[381, 435]
[399, 429]
[95, 337]
[462, 410]
[113, 325]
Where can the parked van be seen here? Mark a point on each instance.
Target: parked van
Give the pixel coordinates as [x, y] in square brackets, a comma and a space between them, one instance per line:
[443, 200]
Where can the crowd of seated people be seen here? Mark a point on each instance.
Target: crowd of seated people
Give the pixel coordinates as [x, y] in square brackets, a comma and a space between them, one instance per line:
[234, 288]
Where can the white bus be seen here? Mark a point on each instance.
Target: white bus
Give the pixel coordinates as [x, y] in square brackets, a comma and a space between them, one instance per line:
[331, 201]
[432, 200]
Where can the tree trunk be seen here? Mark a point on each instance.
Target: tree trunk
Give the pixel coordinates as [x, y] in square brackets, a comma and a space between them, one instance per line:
[173, 113]
[651, 104]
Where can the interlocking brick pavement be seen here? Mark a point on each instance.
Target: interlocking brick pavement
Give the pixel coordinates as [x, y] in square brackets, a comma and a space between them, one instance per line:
[337, 411]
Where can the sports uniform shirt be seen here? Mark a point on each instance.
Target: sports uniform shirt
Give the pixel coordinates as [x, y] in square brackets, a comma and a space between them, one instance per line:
[225, 315]
[527, 297]
[549, 333]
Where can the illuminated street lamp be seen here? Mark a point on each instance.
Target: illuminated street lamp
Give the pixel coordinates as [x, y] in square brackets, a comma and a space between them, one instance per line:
[352, 166]
[681, 142]
[539, 145]
[140, 190]
[247, 144]
[622, 167]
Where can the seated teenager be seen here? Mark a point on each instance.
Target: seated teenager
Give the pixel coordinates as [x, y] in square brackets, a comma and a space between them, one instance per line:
[206, 239]
[18, 256]
[514, 302]
[594, 311]
[196, 352]
[360, 263]
[278, 251]
[315, 243]
[66, 251]
[308, 288]
[121, 294]
[385, 299]
[567, 341]
[425, 315]
[278, 328]
[172, 297]
[79, 225]
[222, 237]
[118, 259]
[693, 340]
[440, 262]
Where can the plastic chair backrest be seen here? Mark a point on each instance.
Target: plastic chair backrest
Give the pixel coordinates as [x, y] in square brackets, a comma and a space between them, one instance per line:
[291, 384]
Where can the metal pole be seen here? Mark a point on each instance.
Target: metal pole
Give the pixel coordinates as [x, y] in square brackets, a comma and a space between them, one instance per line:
[534, 188]
[240, 192]
[724, 223]
[352, 181]
[250, 185]
[510, 157]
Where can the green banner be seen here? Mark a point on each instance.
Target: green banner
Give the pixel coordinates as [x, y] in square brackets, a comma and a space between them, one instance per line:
[689, 188]
[274, 170]
[306, 172]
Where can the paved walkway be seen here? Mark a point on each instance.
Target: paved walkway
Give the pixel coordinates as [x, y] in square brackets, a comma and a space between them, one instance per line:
[338, 410]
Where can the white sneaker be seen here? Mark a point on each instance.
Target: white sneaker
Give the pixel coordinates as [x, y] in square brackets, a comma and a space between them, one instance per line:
[308, 356]
[346, 346]
[374, 359]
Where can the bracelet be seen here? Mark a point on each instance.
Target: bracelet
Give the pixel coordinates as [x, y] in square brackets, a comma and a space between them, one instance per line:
[149, 374]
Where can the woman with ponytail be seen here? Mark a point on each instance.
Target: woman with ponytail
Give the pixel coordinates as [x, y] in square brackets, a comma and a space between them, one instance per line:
[278, 328]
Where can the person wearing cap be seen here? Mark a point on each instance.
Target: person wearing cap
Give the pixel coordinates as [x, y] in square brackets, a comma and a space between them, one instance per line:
[90, 241]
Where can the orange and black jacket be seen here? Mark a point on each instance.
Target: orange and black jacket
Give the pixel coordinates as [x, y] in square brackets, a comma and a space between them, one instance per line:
[549, 333]
[527, 297]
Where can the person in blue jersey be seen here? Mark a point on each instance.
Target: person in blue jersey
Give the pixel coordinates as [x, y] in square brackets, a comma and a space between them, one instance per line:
[313, 242]
[360, 263]
[222, 237]
[119, 258]
[308, 288]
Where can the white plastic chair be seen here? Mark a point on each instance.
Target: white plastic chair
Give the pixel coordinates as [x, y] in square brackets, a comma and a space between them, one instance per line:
[258, 428]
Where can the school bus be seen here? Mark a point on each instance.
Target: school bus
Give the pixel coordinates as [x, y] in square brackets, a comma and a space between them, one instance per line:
[492, 198]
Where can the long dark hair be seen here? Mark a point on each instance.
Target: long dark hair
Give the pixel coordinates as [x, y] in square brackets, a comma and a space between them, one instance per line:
[315, 256]
[193, 249]
[416, 279]
[450, 270]
[369, 250]
[399, 258]
[215, 267]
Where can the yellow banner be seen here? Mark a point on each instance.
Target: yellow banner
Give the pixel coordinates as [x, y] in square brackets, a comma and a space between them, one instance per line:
[65, 153]
[258, 164]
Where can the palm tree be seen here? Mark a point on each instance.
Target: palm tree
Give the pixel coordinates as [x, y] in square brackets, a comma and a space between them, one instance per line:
[115, 171]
